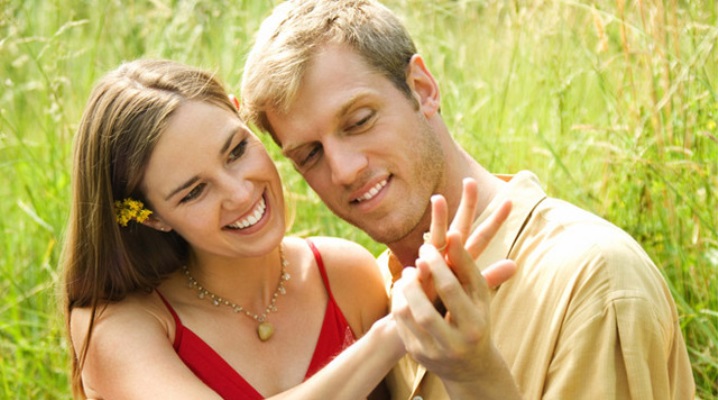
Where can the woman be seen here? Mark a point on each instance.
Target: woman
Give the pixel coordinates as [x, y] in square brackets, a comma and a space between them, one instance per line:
[179, 281]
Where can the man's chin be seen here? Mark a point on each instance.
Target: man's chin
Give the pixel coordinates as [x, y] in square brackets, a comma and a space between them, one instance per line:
[391, 229]
[383, 236]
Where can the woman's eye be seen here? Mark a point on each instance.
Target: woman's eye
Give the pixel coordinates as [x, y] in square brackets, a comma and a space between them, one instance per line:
[238, 151]
[193, 194]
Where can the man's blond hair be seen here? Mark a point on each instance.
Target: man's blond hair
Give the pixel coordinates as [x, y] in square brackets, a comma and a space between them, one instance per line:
[287, 40]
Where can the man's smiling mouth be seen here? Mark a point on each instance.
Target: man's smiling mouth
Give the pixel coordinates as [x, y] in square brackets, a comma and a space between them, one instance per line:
[371, 192]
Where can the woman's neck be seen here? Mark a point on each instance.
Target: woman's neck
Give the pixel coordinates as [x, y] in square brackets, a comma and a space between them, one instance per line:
[248, 281]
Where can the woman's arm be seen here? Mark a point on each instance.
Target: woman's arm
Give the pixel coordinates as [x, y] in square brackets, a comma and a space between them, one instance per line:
[356, 371]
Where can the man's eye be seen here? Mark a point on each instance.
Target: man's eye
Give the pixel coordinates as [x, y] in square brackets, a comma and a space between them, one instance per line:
[363, 120]
[238, 151]
[313, 154]
[193, 194]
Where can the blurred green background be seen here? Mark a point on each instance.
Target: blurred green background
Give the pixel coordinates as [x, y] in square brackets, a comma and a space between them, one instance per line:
[613, 104]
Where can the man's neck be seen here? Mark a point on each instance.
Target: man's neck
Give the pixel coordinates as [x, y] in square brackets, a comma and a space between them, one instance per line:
[407, 250]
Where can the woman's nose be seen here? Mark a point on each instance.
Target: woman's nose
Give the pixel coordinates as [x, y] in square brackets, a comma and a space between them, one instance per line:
[236, 191]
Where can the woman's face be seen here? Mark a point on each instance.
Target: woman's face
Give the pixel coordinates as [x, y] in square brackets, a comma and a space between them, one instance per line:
[212, 181]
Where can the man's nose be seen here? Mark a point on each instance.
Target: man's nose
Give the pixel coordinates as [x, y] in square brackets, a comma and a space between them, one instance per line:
[346, 162]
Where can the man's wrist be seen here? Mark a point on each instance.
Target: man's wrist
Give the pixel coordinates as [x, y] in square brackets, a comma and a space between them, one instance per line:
[493, 380]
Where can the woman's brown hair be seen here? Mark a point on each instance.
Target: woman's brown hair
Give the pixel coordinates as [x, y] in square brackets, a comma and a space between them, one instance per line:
[126, 114]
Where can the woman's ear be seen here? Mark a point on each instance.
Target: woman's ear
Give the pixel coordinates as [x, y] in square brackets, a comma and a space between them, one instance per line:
[156, 223]
[423, 86]
[234, 101]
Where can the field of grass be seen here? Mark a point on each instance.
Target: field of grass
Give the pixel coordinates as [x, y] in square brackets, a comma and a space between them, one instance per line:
[613, 104]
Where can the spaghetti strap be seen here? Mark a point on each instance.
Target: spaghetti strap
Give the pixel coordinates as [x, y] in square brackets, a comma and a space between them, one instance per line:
[322, 270]
[169, 307]
[336, 334]
[178, 323]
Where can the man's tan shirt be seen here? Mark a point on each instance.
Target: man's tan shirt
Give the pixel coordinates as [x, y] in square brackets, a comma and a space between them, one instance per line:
[587, 315]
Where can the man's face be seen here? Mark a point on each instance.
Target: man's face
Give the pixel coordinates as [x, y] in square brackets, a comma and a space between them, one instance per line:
[362, 145]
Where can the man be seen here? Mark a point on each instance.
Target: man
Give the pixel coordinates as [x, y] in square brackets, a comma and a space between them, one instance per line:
[340, 88]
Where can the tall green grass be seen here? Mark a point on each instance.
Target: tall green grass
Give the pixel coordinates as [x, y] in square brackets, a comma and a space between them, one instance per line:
[612, 104]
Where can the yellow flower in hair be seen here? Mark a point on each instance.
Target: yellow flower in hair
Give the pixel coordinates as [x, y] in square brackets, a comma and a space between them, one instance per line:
[130, 209]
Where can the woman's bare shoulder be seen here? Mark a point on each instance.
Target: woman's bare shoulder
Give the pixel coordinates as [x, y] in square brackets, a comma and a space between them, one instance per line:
[137, 310]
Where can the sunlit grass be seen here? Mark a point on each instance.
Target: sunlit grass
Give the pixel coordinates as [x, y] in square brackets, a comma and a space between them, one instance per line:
[612, 104]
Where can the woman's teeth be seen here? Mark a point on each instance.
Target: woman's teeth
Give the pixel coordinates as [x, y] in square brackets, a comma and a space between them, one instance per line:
[252, 219]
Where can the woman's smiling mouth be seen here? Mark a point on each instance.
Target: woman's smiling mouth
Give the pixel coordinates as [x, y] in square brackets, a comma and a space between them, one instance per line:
[252, 218]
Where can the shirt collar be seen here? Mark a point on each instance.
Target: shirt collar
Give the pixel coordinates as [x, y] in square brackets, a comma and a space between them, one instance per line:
[524, 191]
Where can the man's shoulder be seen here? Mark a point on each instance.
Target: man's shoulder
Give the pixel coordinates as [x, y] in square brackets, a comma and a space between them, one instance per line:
[560, 224]
[567, 239]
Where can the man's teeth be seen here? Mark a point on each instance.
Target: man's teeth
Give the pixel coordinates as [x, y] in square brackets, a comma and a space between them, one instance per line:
[252, 218]
[372, 192]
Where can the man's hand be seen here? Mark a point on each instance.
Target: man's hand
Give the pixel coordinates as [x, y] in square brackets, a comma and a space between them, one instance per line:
[456, 347]
[475, 244]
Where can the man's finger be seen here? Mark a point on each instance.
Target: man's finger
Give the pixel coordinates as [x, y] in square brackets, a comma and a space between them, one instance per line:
[464, 218]
[458, 286]
[499, 272]
[480, 238]
[413, 311]
[439, 223]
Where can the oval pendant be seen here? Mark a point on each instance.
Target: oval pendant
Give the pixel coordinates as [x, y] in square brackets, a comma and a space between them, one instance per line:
[265, 330]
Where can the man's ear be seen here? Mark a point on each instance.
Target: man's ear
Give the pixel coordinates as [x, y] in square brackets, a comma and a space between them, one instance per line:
[156, 223]
[423, 86]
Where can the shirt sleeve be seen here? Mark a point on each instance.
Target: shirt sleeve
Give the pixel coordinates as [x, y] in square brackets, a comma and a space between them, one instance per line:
[625, 351]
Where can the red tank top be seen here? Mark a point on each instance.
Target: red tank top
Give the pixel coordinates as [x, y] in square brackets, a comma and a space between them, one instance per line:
[215, 372]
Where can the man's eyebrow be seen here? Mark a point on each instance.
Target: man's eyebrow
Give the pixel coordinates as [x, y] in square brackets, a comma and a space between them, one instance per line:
[287, 151]
[228, 142]
[349, 104]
